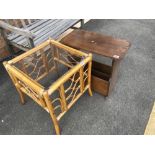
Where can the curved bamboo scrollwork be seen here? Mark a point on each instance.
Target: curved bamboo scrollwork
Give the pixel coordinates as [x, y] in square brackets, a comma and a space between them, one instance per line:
[73, 87]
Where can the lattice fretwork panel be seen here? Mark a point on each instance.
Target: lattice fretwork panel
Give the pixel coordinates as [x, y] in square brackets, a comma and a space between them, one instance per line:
[72, 87]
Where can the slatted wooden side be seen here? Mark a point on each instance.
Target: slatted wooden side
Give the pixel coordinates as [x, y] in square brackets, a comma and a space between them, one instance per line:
[36, 28]
[20, 23]
[29, 27]
[150, 128]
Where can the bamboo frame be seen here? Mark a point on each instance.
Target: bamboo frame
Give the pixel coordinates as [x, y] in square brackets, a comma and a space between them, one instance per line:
[28, 69]
[150, 127]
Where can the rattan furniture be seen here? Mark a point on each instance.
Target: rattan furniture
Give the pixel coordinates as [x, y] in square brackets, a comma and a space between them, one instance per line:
[53, 75]
[150, 127]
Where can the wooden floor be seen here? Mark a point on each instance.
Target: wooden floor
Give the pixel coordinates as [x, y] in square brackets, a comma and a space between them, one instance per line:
[150, 128]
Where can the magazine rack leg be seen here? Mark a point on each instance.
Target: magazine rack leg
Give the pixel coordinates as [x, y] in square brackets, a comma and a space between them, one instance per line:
[51, 111]
[14, 80]
[20, 94]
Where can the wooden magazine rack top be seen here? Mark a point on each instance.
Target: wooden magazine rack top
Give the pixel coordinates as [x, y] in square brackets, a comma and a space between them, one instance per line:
[29, 69]
[104, 76]
[97, 43]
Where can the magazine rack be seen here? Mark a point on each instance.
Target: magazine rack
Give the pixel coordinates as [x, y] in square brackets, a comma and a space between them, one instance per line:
[104, 76]
[47, 62]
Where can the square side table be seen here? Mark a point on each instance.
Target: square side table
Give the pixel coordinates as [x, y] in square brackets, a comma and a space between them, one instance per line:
[104, 76]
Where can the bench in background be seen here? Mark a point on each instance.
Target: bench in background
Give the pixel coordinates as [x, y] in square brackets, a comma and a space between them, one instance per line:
[27, 34]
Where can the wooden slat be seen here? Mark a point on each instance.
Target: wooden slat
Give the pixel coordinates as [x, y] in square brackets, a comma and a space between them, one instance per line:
[16, 30]
[26, 48]
[57, 35]
[29, 27]
[43, 29]
[56, 32]
[29, 21]
[36, 23]
[7, 21]
[16, 23]
[150, 128]
[55, 25]
[33, 30]
[46, 26]
[23, 23]
[47, 32]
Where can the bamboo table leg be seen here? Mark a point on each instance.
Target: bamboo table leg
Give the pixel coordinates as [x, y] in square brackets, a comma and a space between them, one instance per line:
[89, 76]
[51, 111]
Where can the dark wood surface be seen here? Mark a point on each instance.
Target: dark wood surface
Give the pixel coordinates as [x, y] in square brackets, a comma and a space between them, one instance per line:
[104, 77]
[114, 74]
[100, 85]
[97, 43]
[101, 75]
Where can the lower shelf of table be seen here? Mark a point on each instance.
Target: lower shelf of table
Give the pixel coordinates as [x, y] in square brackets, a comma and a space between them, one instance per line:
[101, 75]
[99, 85]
